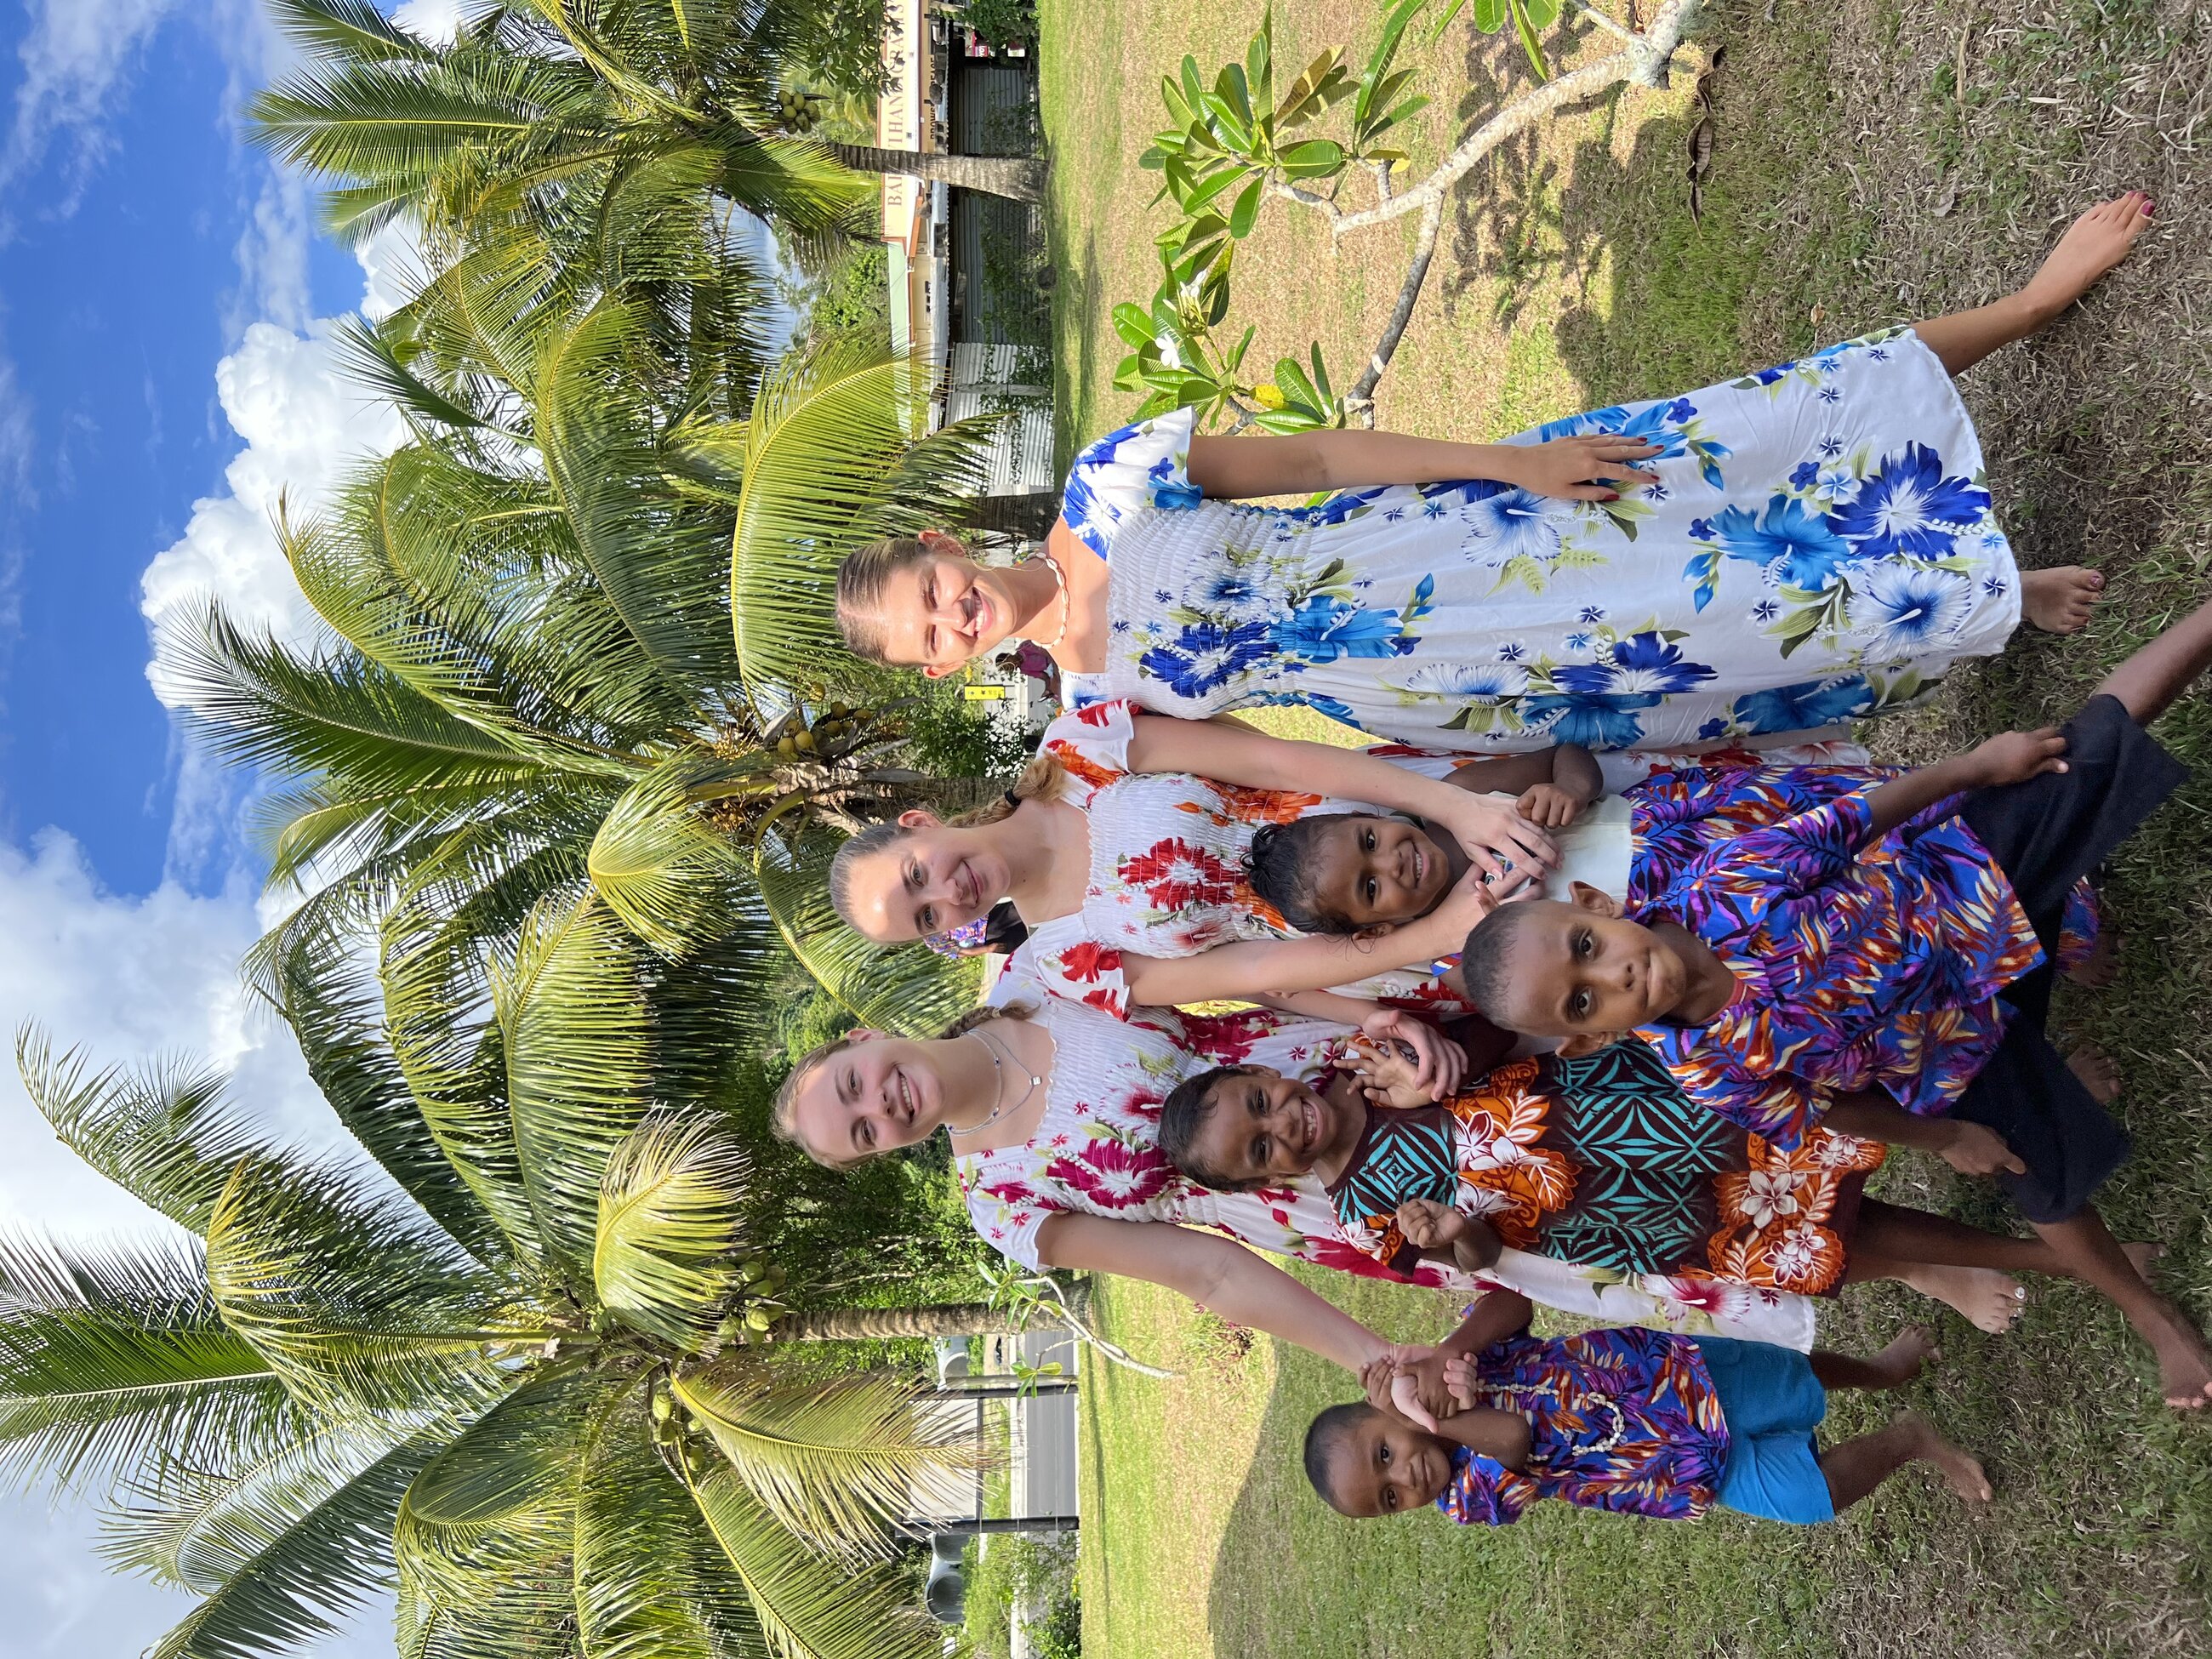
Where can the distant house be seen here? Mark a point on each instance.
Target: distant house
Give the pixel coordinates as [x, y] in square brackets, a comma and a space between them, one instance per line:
[967, 272]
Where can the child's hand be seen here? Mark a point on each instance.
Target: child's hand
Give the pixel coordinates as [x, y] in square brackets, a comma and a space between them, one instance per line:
[1422, 1380]
[1550, 805]
[1475, 897]
[1460, 1382]
[1430, 1226]
[2016, 757]
[1437, 1065]
[1380, 1379]
[1387, 1072]
[1975, 1150]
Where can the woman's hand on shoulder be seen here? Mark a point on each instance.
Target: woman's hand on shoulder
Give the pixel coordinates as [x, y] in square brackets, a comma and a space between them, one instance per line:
[1592, 468]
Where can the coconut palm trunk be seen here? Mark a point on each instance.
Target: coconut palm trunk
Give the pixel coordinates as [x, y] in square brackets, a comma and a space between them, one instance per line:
[1019, 178]
[884, 1324]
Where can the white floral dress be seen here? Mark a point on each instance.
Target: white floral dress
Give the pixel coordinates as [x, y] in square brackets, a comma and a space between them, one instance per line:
[1819, 548]
[1095, 1151]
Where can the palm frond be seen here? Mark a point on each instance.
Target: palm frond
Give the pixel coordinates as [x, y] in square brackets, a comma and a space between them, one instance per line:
[833, 429]
[282, 1552]
[449, 1050]
[488, 1527]
[333, 715]
[334, 1006]
[114, 1362]
[658, 564]
[907, 988]
[343, 31]
[651, 1583]
[808, 1608]
[577, 1042]
[661, 866]
[353, 1302]
[838, 1463]
[672, 1208]
[164, 1134]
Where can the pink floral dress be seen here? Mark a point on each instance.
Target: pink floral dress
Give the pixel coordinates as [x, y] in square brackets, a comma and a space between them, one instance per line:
[1095, 1151]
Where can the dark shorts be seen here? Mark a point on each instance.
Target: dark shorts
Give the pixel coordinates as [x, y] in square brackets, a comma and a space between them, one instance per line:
[2046, 834]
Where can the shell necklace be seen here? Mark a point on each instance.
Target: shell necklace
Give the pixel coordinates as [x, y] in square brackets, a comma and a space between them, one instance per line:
[1066, 604]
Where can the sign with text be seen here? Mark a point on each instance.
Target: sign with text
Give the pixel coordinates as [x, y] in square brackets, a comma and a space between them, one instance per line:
[902, 118]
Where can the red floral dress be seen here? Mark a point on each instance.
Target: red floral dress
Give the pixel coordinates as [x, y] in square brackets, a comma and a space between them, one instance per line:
[1167, 870]
[1095, 1151]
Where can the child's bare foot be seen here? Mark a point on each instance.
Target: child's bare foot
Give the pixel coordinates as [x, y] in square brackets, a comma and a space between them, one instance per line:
[2092, 246]
[2143, 1256]
[2058, 601]
[1989, 1300]
[1907, 1357]
[2099, 1075]
[2184, 1363]
[1961, 1470]
[2102, 965]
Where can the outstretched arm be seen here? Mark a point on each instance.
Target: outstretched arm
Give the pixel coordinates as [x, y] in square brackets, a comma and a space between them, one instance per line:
[1582, 469]
[1215, 1271]
[2008, 757]
[1272, 970]
[1257, 761]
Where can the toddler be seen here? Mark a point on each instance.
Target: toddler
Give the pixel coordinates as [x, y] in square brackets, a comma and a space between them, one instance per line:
[1637, 1421]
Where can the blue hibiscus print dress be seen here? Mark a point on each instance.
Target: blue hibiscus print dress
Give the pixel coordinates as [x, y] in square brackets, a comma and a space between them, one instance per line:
[1819, 548]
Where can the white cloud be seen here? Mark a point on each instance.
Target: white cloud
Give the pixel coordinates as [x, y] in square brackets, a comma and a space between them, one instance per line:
[73, 54]
[128, 978]
[305, 425]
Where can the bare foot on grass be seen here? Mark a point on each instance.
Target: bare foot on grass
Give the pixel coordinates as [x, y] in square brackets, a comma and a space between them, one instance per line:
[2058, 601]
[1989, 1300]
[2092, 246]
[2142, 1255]
[1912, 1351]
[2184, 1363]
[1962, 1472]
[2099, 1075]
[2102, 965]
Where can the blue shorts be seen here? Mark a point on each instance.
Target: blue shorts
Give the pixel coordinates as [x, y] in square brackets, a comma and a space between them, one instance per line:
[1773, 1403]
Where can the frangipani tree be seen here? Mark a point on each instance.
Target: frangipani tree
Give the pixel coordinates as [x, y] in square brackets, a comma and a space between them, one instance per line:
[1234, 143]
[544, 1417]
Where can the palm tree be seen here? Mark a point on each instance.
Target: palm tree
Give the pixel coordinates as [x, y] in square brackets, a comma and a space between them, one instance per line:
[533, 699]
[543, 113]
[532, 1402]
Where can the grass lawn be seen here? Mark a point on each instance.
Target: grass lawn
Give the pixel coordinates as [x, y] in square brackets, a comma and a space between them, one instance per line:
[1870, 164]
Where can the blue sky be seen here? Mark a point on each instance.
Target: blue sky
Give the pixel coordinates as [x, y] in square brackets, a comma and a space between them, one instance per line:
[162, 376]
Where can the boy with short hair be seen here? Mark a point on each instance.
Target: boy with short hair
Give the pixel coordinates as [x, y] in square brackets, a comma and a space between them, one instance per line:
[1638, 1421]
[1879, 963]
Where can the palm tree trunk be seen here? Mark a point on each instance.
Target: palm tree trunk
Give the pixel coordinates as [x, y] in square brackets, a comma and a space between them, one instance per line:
[945, 1319]
[1020, 179]
[1025, 518]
